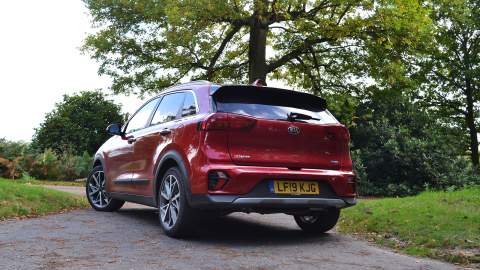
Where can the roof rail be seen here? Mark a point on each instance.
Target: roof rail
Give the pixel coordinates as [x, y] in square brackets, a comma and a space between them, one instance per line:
[196, 82]
[173, 87]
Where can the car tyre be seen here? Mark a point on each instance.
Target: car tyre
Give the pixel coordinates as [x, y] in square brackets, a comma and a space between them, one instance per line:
[318, 222]
[96, 193]
[175, 214]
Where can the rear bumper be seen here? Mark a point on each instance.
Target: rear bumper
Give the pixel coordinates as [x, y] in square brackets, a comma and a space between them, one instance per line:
[249, 189]
[245, 179]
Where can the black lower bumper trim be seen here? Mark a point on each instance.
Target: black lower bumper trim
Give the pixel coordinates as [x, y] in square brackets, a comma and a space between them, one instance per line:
[238, 202]
[302, 202]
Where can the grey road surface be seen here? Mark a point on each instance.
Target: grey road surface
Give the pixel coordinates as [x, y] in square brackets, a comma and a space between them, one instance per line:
[132, 239]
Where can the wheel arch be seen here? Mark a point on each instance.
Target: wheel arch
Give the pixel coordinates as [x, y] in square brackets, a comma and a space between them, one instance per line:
[170, 159]
[98, 161]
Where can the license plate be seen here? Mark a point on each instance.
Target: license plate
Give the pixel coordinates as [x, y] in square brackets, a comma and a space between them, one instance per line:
[295, 187]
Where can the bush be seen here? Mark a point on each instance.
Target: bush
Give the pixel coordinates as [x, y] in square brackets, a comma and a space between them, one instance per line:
[11, 150]
[74, 167]
[9, 169]
[17, 159]
[399, 150]
[42, 166]
[10, 156]
[50, 166]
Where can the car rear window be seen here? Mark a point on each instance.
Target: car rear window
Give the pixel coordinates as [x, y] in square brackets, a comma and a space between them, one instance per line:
[271, 103]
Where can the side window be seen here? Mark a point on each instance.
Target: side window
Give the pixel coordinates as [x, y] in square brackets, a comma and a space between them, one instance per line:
[189, 106]
[168, 109]
[140, 119]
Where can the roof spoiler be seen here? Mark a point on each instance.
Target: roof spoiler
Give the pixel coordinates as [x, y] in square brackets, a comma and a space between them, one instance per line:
[275, 96]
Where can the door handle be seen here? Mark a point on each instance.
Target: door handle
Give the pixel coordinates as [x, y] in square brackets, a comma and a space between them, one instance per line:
[165, 131]
[131, 140]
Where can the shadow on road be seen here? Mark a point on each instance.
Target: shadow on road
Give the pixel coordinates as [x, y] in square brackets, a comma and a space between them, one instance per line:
[235, 231]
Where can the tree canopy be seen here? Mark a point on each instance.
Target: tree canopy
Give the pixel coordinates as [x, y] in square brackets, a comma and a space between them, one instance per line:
[77, 124]
[451, 70]
[318, 45]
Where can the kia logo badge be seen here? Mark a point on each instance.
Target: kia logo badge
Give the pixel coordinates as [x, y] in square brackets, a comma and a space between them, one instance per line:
[293, 130]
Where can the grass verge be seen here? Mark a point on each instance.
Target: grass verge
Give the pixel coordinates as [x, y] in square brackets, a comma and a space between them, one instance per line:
[51, 183]
[441, 225]
[20, 200]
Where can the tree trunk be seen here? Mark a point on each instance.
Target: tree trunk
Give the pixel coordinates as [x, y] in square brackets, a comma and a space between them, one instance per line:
[470, 121]
[257, 66]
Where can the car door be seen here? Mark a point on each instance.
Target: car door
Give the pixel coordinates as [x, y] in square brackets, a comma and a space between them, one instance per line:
[121, 158]
[152, 140]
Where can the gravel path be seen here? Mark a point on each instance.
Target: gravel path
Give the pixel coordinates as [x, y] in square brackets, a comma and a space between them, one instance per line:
[132, 239]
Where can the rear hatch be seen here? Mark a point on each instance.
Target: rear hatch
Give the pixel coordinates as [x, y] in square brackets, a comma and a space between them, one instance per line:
[284, 128]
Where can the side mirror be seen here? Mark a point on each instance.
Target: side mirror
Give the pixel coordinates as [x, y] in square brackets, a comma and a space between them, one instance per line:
[115, 129]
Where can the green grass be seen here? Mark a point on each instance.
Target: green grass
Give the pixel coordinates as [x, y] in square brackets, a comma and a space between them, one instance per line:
[441, 225]
[52, 183]
[22, 200]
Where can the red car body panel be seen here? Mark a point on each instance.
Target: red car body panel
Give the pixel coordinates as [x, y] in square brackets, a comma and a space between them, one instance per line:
[259, 150]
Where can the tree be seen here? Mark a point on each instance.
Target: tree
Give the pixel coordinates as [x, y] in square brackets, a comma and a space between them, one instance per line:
[399, 148]
[77, 124]
[452, 85]
[314, 44]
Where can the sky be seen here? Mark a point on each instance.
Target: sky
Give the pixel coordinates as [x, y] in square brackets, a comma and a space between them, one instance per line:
[40, 61]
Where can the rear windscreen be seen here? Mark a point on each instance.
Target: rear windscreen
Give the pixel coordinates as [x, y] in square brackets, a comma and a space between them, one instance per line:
[271, 103]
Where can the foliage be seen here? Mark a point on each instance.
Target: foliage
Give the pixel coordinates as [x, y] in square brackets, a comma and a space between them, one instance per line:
[19, 160]
[74, 167]
[77, 124]
[399, 149]
[43, 165]
[20, 200]
[11, 149]
[8, 168]
[449, 73]
[148, 45]
[10, 153]
[413, 126]
[51, 166]
[440, 225]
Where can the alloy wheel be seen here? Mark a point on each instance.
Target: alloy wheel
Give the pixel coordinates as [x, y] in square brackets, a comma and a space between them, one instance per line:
[169, 201]
[96, 190]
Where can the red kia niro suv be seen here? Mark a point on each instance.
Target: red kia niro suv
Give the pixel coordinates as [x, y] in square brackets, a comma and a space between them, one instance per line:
[201, 148]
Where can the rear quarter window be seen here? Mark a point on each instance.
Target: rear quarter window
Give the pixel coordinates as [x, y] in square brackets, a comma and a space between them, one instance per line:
[189, 105]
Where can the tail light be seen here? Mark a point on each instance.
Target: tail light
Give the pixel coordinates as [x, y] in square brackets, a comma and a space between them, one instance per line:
[346, 134]
[333, 133]
[344, 148]
[227, 121]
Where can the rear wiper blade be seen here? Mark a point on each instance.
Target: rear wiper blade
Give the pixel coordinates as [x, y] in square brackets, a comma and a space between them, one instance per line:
[299, 116]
